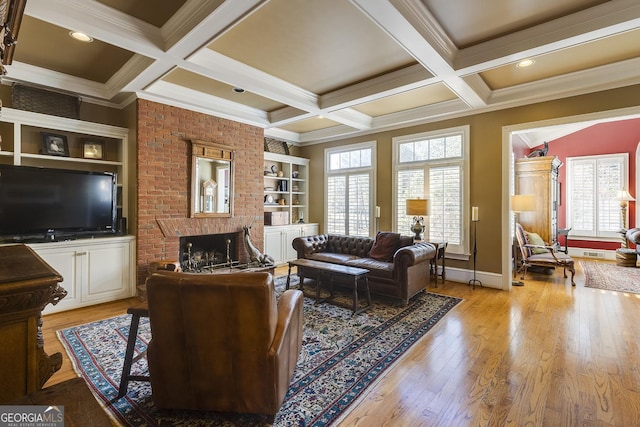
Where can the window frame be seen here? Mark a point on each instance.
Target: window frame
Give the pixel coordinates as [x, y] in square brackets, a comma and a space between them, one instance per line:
[370, 170]
[461, 251]
[597, 234]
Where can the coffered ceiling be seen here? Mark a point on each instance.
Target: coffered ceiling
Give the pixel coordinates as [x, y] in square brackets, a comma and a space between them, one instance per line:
[317, 70]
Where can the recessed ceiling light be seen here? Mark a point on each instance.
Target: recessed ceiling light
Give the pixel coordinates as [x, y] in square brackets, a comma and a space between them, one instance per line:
[81, 36]
[238, 90]
[525, 63]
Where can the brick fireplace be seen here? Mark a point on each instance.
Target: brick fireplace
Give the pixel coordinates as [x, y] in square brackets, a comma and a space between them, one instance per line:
[163, 177]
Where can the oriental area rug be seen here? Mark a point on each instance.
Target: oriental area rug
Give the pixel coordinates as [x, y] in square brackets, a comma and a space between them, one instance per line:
[602, 275]
[341, 356]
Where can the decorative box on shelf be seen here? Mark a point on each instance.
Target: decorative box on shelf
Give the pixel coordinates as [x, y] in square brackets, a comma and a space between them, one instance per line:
[276, 218]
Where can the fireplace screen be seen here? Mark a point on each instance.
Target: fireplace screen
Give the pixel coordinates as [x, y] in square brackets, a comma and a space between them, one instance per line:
[208, 252]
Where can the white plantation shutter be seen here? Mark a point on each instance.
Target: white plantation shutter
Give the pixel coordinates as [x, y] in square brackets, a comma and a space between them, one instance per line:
[445, 197]
[593, 183]
[336, 201]
[349, 190]
[582, 196]
[411, 185]
[610, 175]
[359, 213]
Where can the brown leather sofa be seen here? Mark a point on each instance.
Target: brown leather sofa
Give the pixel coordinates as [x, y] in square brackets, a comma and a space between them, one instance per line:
[403, 274]
[220, 342]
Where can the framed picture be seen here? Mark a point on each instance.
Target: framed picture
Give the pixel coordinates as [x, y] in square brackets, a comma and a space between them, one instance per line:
[54, 145]
[92, 149]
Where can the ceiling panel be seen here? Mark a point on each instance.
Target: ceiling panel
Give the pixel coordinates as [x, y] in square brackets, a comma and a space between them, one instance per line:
[49, 46]
[469, 22]
[309, 125]
[209, 86]
[609, 50]
[317, 45]
[427, 95]
[154, 12]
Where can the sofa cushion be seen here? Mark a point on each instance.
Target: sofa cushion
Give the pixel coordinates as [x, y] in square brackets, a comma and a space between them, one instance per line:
[535, 239]
[385, 245]
[376, 268]
[332, 257]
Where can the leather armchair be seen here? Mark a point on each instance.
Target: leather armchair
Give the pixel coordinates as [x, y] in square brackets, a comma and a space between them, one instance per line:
[220, 342]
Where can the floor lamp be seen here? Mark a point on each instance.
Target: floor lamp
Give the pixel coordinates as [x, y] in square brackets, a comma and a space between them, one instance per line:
[520, 203]
[624, 197]
[474, 219]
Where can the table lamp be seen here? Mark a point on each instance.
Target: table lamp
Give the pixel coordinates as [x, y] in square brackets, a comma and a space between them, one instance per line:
[418, 208]
[520, 203]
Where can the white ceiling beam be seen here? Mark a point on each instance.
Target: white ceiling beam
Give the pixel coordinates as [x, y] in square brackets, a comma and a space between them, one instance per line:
[412, 28]
[101, 22]
[21, 72]
[220, 67]
[351, 117]
[620, 74]
[199, 22]
[180, 96]
[600, 21]
[408, 78]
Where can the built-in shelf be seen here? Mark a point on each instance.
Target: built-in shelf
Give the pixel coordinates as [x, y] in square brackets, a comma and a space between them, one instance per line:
[21, 143]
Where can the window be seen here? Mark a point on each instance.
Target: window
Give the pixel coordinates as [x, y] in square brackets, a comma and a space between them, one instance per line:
[349, 189]
[593, 183]
[434, 165]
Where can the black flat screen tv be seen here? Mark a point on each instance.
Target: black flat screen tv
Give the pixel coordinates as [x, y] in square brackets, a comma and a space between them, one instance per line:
[39, 204]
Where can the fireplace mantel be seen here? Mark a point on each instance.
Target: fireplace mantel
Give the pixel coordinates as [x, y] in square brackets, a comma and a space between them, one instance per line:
[179, 227]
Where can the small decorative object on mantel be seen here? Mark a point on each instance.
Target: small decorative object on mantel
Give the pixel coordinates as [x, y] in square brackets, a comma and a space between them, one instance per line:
[54, 145]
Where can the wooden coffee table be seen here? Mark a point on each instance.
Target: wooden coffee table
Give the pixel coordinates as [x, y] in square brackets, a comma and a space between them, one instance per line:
[319, 270]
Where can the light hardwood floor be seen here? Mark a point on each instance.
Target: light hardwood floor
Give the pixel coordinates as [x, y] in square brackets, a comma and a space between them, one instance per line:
[545, 354]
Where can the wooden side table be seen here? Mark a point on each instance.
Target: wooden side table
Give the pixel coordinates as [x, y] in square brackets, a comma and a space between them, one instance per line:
[626, 257]
[441, 248]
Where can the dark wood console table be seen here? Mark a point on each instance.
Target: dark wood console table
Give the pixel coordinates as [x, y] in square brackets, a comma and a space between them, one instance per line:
[441, 248]
[27, 285]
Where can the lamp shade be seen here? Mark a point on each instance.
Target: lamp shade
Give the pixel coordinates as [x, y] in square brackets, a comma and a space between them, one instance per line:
[417, 207]
[523, 202]
[624, 196]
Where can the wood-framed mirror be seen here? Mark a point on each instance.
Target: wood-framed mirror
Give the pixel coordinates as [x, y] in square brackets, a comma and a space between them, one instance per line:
[212, 176]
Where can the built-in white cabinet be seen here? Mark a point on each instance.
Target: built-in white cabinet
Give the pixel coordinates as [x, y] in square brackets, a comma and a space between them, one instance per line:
[278, 240]
[93, 270]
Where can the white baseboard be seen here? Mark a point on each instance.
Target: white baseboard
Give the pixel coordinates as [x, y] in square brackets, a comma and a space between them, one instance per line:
[592, 253]
[489, 280]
